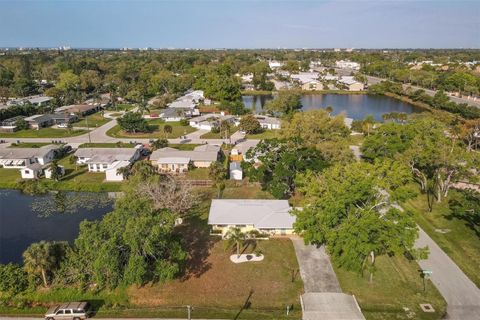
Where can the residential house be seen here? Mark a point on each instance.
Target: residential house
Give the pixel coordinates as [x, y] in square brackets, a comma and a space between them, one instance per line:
[37, 100]
[269, 216]
[31, 171]
[108, 160]
[188, 101]
[351, 83]
[172, 115]
[79, 109]
[17, 158]
[267, 122]
[273, 64]
[209, 121]
[179, 161]
[10, 124]
[39, 121]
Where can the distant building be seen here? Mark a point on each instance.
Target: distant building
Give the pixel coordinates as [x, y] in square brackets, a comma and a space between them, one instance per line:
[352, 84]
[267, 122]
[210, 121]
[80, 109]
[273, 64]
[39, 121]
[345, 64]
[37, 100]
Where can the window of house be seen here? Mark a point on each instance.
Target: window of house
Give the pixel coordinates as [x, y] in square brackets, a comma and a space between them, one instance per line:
[27, 171]
[104, 166]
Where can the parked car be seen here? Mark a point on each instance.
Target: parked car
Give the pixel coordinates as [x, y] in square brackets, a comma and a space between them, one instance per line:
[63, 125]
[69, 311]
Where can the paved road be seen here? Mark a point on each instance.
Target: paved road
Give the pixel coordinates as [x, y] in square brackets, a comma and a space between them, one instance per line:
[472, 102]
[461, 294]
[315, 268]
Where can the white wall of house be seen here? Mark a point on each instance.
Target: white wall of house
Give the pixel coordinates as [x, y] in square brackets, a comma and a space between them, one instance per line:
[47, 158]
[113, 175]
[97, 167]
[202, 164]
[28, 173]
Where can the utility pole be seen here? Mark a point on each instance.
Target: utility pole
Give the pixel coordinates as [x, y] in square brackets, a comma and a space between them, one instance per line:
[88, 129]
[189, 311]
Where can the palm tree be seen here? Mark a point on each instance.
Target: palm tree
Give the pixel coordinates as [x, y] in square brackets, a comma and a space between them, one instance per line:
[329, 109]
[125, 171]
[236, 237]
[167, 129]
[143, 106]
[55, 170]
[38, 259]
[225, 128]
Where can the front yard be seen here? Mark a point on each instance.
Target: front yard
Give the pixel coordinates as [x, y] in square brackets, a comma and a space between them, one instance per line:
[94, 120]
[266, 134]
[42, 133]
[156, 127]
[396, 291]
[456, 235]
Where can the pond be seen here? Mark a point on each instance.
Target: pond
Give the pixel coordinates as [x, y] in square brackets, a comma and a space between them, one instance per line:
[356, 106]
[20, 225]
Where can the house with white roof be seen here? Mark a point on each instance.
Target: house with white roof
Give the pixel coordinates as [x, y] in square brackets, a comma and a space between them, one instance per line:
[267, 122]
[209, 121]
[345, 64]
[351, 83]
[179, 161]
[236, 172]
[273, 64]
[108, 160]
[269, 216]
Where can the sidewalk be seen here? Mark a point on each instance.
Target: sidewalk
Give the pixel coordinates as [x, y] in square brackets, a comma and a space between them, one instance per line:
[461, 294]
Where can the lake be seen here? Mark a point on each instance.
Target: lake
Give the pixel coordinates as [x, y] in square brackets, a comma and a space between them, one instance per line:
[20, 225]
[356, 106]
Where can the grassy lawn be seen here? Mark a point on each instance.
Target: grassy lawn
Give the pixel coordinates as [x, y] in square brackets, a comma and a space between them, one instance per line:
[29, 144]
[75, 179]
[266, 134]
[460, 241]
[156, 126]
[241, 190]
[397, 285]
[94, 120]
[122, 107]
[107, 145]
[42, 133]
[217, 135]
[183, 146]
[198, 174]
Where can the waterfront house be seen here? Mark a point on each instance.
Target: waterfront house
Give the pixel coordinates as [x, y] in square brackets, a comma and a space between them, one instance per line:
[108, 160]
[179, 161]
[268, 216]
[267, 122]
[17, 158]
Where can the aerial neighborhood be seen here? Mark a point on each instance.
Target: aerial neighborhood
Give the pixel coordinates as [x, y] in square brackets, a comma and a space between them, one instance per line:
[292, 181]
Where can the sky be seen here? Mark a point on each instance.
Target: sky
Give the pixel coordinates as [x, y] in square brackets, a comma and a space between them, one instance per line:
[240, 24]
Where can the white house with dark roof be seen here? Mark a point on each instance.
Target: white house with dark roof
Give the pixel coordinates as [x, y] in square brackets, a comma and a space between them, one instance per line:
[108, 160]
[179, 161]
[269, 216]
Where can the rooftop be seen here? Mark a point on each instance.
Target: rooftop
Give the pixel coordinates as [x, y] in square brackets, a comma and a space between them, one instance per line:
[262, 214]
[201, 153]
[106, 155]
[26, 153]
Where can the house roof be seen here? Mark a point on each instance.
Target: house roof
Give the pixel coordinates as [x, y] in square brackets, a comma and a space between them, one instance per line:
[106, 155]
[200, 153]
[76, 108]
[26, 153]
[262, 214]
[183, 104]
[38, 118]
[176, 160]
[39, 99]
[266, 119]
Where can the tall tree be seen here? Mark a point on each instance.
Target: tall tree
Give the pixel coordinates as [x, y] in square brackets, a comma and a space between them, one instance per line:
[43, 258]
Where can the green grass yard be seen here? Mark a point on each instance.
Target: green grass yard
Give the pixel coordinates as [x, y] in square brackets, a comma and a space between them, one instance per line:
[460, 242]
[94, 120]
[43, 133]
[396, 285]
[156, 126]
[29, 144]
[217, 135]
[266, 134]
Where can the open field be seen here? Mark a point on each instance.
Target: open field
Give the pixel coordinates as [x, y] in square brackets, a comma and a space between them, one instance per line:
[396, 285]
[156, 126]
[198, 174]
[94, 120]
[43, 133]
[460, 241]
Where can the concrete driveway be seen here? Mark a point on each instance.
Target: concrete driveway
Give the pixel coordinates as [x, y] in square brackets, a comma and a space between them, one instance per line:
[461, 294]
[315, 268]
